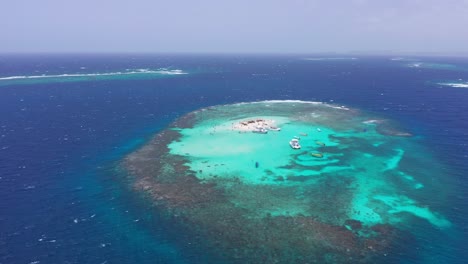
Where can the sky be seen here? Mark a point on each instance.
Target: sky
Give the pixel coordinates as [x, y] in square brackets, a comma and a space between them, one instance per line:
[236, 26]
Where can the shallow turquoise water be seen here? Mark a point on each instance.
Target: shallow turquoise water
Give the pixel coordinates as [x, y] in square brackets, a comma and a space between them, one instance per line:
[54, 137]
[219, 151]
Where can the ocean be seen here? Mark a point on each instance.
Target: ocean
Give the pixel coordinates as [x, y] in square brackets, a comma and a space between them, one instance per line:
[68, 120]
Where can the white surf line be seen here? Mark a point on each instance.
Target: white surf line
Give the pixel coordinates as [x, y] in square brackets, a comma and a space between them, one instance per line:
[138, 71]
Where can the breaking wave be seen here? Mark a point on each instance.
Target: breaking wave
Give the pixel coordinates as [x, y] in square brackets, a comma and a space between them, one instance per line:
[294, 101]
[329, 58]
[460, 84]
[128, 74]
[430, 65]
[162, 71]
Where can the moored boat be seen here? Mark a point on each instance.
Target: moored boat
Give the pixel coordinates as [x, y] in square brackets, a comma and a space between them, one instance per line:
[260, 130]
[317, 155]
[294, 143]
[320, 143]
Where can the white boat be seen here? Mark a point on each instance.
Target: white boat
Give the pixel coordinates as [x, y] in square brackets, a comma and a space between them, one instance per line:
[294, 143]
[275, 128]
[260, 130]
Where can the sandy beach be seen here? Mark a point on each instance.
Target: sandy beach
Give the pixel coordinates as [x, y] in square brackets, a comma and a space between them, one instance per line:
[253, 124]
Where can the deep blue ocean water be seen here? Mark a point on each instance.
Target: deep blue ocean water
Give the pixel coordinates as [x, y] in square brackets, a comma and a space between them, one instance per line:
[61, 200]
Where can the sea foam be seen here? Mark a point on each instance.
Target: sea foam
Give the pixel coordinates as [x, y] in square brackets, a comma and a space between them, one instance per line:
[162, 71]
[455, 84]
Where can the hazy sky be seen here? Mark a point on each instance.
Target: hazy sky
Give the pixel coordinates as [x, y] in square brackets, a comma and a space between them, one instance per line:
[298, 26]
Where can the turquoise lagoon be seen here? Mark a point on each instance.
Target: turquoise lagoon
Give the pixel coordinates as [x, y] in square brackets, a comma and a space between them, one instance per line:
[230, 186]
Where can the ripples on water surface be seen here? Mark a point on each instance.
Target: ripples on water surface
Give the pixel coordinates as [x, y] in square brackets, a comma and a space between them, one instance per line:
[63, 198]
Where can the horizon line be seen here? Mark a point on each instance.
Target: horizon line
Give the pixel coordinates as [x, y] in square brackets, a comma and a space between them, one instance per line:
[328, 53]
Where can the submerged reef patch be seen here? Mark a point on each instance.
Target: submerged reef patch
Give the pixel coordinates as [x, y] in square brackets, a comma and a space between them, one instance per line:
[231, 176]
[128, 74]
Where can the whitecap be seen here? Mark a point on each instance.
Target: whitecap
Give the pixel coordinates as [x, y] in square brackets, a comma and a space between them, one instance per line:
[373, 121]
[414, 65]
[103, 245]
